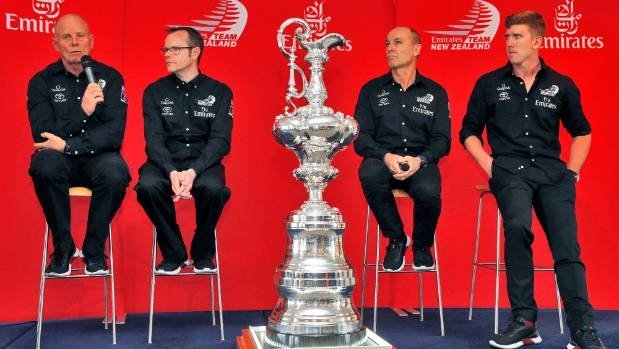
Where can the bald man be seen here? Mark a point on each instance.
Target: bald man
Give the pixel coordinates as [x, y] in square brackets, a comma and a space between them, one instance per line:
[404, 129]
[78, 129]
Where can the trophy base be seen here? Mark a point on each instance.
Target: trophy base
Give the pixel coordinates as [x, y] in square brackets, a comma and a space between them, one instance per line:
[255, 338]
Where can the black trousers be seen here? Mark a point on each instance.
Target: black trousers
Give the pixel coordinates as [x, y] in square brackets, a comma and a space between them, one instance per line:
[210, 196]
[106, 174]
[424, 187]
[553, 202]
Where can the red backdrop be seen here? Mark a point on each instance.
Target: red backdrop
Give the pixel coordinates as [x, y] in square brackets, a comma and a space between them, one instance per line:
[252, 238]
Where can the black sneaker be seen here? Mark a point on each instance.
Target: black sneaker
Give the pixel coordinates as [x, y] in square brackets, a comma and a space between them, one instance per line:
[96, 266]
[394, 258]
[422, 259]
[204, 266]
[586, 338]
[168, 268]
[60, 266]
[519, 332]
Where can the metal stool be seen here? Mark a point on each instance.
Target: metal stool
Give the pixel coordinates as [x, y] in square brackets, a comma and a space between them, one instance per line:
[79, 192]
[378, 268]
[184, 272]
[497, 265]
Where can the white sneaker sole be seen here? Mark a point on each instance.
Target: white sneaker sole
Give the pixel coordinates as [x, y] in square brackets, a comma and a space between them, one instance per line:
[526, 341]
[204, 270]
[67, 273]
[165, 272]
[423, 267]
[97, 272]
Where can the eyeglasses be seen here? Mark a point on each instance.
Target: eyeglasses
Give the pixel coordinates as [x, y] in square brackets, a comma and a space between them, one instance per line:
[173, 50]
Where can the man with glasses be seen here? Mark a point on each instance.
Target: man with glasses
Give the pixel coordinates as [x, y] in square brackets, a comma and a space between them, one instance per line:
[404, 129]
[521, 105]
[78, 129]
[187, 126]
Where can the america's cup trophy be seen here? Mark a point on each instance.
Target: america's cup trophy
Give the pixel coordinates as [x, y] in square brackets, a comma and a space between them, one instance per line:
[315, 282]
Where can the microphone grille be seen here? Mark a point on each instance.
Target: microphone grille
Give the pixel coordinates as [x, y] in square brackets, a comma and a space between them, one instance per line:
[86, 61]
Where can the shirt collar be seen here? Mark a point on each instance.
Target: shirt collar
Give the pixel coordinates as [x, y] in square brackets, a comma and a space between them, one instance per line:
[509, 70]
[195, 83]
[387, 79]
[58, 68]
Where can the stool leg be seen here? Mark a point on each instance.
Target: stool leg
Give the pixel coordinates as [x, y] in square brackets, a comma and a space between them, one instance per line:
[365, 260]
[105, 303]
[559, 305]
[438, 288]
[113, 290]
[376, 276]
[420, 278]
[42, 287]
[498, 270]
[221, 307]
[475, 255]
[152, 287]
[212, 302]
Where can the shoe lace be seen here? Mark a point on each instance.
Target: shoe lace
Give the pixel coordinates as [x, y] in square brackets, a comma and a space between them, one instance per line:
[514, 323]
[590, 337]
[392, 246]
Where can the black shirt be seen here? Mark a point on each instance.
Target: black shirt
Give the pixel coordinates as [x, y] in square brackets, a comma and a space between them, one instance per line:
[54, 105]
[412, 122]
[189, 123]
[523, 127]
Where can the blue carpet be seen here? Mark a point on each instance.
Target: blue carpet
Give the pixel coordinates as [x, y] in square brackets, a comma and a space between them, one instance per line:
[194, 330]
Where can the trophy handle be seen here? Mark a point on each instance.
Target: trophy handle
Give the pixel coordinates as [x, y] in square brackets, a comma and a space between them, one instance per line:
[302, 33]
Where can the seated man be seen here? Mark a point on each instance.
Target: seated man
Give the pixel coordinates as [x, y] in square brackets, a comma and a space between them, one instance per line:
[187, 126]
[404, 129]
[78, 128]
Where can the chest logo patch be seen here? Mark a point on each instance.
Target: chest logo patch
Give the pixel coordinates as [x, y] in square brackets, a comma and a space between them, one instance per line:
[551, 91]
[60, 98]
[503, 87]
[382, 94]
[427, 99]
[207, 102]
[504, 96]
[58, 88]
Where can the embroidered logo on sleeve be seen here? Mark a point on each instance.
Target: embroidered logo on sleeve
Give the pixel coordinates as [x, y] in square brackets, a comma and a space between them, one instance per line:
[123, 92]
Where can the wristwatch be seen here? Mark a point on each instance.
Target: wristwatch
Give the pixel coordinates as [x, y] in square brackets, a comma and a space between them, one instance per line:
[424, 161]
[67, 149]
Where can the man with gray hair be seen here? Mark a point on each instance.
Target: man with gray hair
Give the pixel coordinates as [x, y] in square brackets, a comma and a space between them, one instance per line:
[404, 129]
[78, 129]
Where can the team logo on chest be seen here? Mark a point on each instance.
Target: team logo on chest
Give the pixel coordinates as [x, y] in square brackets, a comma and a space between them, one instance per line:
[427, 99]
[551, 91]
[207, 102]
[504, 96]
[547, 100]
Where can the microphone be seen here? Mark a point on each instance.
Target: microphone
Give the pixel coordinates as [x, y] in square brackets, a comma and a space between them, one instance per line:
[404, 166]
[87, 65]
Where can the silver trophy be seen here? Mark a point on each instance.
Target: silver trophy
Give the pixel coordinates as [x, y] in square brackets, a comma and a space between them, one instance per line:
[315, 282]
